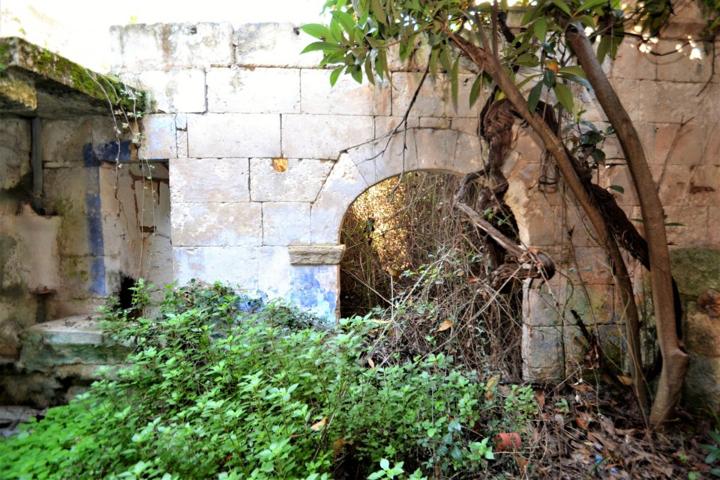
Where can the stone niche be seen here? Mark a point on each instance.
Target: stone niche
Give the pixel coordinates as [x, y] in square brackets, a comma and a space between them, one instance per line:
[79, 216]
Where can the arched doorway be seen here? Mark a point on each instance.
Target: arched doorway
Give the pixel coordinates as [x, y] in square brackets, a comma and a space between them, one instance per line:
[414, 261]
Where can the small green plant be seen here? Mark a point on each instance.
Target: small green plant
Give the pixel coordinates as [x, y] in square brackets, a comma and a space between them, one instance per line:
[225, 386]
[713, 453]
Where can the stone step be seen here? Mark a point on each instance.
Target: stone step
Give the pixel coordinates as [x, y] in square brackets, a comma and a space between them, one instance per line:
[74, 330]
[76, 341]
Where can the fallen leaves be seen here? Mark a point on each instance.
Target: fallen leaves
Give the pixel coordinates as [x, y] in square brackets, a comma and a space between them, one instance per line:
[319, 425]
[445, 325]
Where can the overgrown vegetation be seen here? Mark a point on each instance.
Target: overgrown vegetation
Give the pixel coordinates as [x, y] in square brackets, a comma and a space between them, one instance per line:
[429, 272]
[220, 385]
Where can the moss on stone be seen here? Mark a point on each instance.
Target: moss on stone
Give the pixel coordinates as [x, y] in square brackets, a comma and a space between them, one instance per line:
[16, 52]
[696, 270]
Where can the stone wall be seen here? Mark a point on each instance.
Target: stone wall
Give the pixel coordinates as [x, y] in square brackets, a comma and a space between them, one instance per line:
[265, 157]
[94, 225]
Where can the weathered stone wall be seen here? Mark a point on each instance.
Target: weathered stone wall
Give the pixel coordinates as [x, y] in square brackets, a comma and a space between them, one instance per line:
[97, 223]
[265, 157]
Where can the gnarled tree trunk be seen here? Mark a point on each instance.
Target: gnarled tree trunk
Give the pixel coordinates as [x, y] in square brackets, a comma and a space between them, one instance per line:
[674, 359]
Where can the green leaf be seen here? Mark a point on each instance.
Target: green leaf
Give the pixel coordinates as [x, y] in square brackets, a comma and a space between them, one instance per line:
[346, 20]
[540, 29]
[562, 6]
[334, 75]
[475, 89]
[549, 78]
[603, 48]
[573, 70]
[378, 11]
[356, 73]
[527, 60]
[433, 62]
[368, 70]
[324, 46]
[381, 63]
[534, 96]
[316, 30]
[617, 188]
[445, 58]
[336, 32]
[531, 14]
[564, 96]
[590, 4]
[455, 81]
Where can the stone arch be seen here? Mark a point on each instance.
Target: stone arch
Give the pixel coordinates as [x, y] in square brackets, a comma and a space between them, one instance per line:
[430, 149]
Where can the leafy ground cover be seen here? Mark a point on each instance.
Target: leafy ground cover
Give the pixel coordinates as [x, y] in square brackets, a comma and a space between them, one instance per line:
[223, 386]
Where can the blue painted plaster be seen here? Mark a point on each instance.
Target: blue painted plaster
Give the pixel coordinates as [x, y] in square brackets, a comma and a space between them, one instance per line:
[93, 155]
[309, 293]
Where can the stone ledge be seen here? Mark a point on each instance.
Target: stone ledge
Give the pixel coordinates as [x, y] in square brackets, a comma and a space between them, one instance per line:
[316, 254]
[39, 82]
[74, 330]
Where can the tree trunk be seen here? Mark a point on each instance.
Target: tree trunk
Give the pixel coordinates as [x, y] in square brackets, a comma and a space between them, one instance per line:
[674, 359]
[554, 145]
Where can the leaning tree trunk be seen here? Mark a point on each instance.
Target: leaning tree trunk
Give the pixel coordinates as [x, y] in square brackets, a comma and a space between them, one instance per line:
[490, 63]
[674, 359]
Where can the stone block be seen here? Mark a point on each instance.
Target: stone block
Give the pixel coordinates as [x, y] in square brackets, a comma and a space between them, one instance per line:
[663, 141]
[253, 90]
[594, 304]
[347, 97]
[341, 188]
[285, 223]
[299, 182]
[713, 226]
[434, 99]
[204, 180]
[613, 344]
[632, 63]
[617, 180]
[178, 90]
[702, 383]
[675, 185]
[542, 353]
[386, 125]
[323, 136]
[14, 151]
[273, 45]
[696, 270]
[592, 268]
[687, 226]
[576, 347]
[159, 140]
[541, 306]
[467, 125]
[316, 254]
[689, 144]
[37, 236]
[704, 187]
[702, 334]
[216, 224]
[234, 265]
[275, 272]
[577, 227]
[162, 46]
[434, 122]
[63, 140]
[678, 67]
[234, 135]
[650, 101]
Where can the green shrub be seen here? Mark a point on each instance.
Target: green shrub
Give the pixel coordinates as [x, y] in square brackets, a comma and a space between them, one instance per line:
[222, 386]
